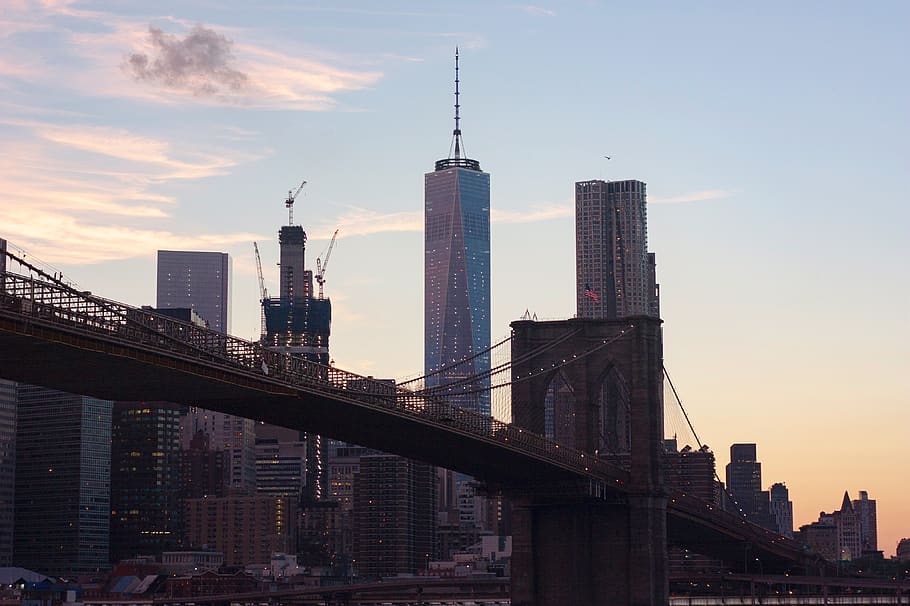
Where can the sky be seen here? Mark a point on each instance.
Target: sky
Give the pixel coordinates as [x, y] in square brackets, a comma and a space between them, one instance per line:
[773, 138]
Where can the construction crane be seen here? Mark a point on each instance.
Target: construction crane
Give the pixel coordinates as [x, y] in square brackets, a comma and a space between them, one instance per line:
[289, 203]
[263, 293]
[322, 265]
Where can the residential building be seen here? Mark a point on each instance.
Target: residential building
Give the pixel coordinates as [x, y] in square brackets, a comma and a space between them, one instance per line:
[821, 537]
[849, 531]
[145, 479]
[247, 529]
[615, 275]
[865, 509]
[203, 470]
[457, 275]
[199, 280]
[394, 511]
[63, 459]
[690, 471]
[234, 435]
[7, 468]
[781, 510]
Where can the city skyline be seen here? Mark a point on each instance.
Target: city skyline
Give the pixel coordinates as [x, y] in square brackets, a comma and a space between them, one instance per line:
[774, 268]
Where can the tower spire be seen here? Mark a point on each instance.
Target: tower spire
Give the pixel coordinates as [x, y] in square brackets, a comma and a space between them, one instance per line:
[456, 134]
[457, 155]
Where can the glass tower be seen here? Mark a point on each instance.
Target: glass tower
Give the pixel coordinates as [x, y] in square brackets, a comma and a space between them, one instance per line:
[200, 280]
[63, 470]
[457, 275]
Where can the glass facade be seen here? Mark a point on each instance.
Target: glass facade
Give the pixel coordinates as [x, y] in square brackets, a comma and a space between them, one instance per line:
[63, 459]
[7, 469]
[199, 280]
[457, 283]
[145, 479]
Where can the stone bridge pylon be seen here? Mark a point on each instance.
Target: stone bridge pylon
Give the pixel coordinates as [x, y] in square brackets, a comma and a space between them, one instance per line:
[595, 386]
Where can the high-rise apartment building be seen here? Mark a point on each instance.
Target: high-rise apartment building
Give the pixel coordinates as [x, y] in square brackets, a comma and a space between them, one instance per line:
[234, 435]
[199, 280]
[457, 273]
[781, 510]
[7, 469]
[394, 512]
[63, 459]
[615, 275]
[146, 517]
[865, 509]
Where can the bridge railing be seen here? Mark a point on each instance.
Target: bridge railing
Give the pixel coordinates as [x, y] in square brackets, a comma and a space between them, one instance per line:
[75, 310]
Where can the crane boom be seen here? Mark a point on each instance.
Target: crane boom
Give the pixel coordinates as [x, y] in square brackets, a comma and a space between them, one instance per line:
[263, 293]
[322, 265]
[289, 202]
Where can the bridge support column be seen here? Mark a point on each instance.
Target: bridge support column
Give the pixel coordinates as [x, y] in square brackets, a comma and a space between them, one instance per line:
[589, 552]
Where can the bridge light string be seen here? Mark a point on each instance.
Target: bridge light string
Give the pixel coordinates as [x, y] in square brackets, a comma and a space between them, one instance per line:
[700, 445]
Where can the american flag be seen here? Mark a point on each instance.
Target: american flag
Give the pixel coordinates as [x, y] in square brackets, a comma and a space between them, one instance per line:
[589, 292]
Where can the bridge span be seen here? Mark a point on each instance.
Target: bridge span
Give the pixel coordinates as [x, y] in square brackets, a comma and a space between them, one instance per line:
[565, 501]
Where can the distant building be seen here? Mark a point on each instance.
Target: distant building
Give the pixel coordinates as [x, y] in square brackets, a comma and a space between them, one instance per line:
[188, 562]
[247, 529]
[903, 550]
[234, 435]
[2, 256]
[849, 531]
[394, 512]
[7, 469]
[821, 537]
[744, 485]
[690, 471]
[782, 510]
[63, 458]
[203, 471]
[615, 275]
[145, 479]
[865, 509]
[280, 468]
[200, 280]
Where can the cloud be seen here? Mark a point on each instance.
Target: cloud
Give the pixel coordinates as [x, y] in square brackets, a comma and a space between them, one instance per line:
[698, 196]
[201, 62]
[536, 11]
[106, 198]
[533, 215]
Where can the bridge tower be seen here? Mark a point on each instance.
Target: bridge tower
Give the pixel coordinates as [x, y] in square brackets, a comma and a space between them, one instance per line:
[594, 385]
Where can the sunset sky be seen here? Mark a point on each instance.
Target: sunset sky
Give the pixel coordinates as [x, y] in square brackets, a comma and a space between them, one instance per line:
[773, 138]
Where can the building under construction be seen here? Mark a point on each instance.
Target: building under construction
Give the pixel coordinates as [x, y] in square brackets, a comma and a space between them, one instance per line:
[299, 323]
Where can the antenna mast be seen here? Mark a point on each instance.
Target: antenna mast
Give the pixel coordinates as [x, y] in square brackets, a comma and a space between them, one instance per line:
[457, 132]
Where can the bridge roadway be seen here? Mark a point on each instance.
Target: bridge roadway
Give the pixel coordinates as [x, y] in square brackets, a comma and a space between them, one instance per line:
[54, 336]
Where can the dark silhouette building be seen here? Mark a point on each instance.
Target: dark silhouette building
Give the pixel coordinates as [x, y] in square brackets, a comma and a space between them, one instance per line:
[7, 468]
[63, 458]
[394, 511]
[744, 485]
[145, 479]
[203, 470]
[781, 510]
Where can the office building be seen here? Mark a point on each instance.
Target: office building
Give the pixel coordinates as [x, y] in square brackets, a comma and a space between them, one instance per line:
[280, 467]
[781, 510]
[615, 275]
[394, 513]
[146, 517]
[865, 509]
[7, 469]
[744, 485]
[63, 458]
[690, 471]
[199, 280]
[457, 274]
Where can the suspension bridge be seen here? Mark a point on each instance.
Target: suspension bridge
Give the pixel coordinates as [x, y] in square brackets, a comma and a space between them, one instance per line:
[591, 514]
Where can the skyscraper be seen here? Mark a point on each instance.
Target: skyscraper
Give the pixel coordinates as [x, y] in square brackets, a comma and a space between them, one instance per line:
[146, 518]
[200, 280]
[865, 509]
[7, 469]
[63, 463]
[457, 273]
[235, 436]
[781, 510]
[2, 256]
[615, 275]
[299, 324]
[744, 479]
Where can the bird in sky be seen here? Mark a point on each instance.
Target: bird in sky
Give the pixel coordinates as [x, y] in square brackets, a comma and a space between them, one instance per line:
[608, 157]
